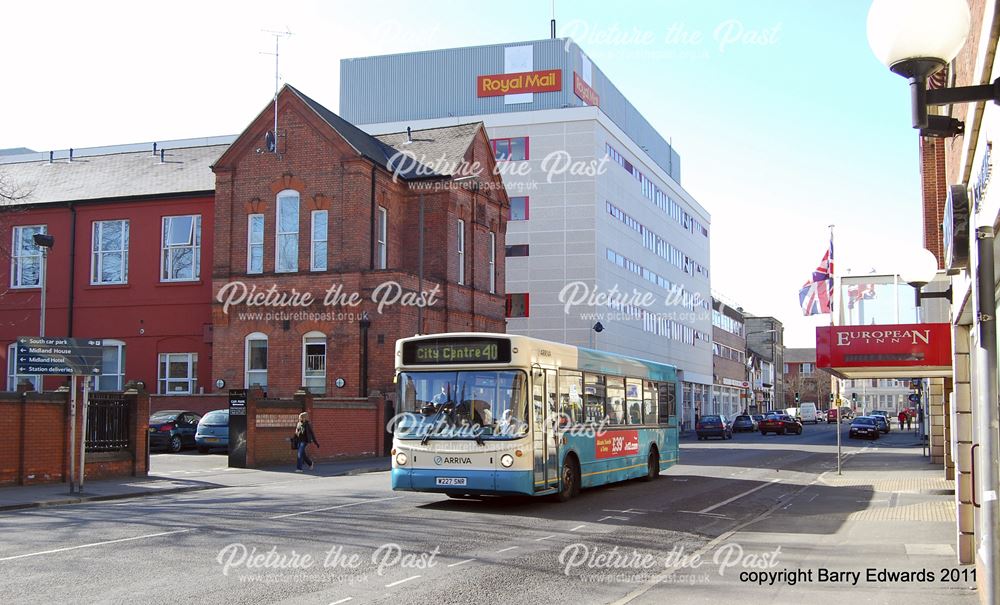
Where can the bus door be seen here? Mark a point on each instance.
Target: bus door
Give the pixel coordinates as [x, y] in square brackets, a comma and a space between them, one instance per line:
[543, 414]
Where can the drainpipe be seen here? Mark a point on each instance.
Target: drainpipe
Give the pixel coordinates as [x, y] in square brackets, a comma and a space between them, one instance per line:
[988, 437]
[371, 226]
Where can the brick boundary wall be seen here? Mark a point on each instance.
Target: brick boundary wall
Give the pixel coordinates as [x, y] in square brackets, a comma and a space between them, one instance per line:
[345, 427]
[35, 440]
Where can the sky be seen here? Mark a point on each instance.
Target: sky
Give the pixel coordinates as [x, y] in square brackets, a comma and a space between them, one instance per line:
[784, 120]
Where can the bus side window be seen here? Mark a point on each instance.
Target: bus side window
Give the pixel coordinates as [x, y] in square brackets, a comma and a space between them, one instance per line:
[667, 403]
[615, 404]
[649, 402]
[633, 400]
[571, 396]
[594, 397]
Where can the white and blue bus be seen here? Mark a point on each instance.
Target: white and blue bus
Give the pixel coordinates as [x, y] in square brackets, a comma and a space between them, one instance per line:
[495, 414]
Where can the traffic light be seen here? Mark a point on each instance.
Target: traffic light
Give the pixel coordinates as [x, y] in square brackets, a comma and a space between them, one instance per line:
[831, 397]
[796, 396]
[854, 397]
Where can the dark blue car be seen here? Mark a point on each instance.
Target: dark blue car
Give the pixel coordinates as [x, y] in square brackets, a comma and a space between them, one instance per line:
[213, 431]
[172, 429]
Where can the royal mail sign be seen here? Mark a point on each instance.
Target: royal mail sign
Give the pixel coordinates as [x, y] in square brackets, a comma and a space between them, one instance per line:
[583, 90]
[924, 346]
[547, 80]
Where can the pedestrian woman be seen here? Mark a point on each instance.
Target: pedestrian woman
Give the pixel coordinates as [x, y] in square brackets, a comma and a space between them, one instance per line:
[902, 419]
[304, 435]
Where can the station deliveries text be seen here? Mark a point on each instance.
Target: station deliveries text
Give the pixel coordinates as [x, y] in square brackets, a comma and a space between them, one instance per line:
[456, 353]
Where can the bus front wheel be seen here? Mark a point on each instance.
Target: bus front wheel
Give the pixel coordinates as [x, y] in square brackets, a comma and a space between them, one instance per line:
[569, 484]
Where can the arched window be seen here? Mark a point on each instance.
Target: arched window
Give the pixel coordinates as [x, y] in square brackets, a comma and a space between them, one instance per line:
[314, 362]
[286, 248]
[255, 360]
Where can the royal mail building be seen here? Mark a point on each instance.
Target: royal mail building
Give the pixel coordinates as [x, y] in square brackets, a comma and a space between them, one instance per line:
[597, 207]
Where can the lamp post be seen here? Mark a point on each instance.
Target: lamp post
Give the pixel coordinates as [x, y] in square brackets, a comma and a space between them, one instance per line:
[915, 39]
[596, 328]
[45, 242]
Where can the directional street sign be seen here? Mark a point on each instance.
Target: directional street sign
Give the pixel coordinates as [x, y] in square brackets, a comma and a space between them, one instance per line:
[58, 356]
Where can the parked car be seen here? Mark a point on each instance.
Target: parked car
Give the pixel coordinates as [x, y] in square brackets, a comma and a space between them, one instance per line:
[864, 427]
[213, 431]
[883, 423]
[744, 423]
[714, 426]
[758, 417]
[780, 424]
[172, 429]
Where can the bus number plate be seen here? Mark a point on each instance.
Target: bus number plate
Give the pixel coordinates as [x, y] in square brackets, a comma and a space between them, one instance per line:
[460, 481]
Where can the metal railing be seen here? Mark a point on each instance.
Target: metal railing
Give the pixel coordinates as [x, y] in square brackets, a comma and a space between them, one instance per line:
[108, 422]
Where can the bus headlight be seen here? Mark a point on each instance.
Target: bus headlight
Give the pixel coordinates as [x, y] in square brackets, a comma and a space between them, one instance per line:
[506, 461]
[400, 458]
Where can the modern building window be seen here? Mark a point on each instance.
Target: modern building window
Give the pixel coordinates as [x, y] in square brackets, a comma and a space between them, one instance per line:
[807, 369]
[515, 148]
[25, 257]
[287, 233]
[519, 208]
[255, 360]
[517, 250]
[112, 376]
[461, 251]
[181, 248]
[255, 243]
[516, 305]
[109, 260]
[382, 232]
[319, 229]
[493, 262]
[314, 362]
[178, 373]
[13, 377]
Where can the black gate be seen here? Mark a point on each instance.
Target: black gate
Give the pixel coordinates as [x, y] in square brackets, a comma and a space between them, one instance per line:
[109, 422]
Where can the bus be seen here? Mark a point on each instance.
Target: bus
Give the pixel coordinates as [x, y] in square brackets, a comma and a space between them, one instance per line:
[500, 414]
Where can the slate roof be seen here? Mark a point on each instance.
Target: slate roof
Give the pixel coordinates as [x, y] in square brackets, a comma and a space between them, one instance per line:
[115, 175]
[435, 152]
[131, 171]
[800, 355]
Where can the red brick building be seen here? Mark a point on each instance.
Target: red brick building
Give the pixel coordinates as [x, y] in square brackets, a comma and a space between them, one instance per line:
[328, 211]
[133, 245]
[804, 379]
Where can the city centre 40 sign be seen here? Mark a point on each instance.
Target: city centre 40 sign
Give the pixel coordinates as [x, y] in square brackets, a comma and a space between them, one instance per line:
[58, 356]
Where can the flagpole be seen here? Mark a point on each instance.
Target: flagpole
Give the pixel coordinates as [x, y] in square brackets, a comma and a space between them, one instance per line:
[833, 308]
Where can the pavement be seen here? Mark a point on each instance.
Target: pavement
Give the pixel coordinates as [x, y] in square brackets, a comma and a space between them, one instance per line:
[178, 473]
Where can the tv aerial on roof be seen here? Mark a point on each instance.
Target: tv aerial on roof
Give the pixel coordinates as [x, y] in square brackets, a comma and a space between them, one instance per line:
[271, 137]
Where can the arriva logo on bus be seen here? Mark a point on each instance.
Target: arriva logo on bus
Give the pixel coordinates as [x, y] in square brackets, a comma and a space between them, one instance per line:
[439, 460]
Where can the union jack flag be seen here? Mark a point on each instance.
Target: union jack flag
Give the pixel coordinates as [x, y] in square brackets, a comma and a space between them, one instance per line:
[816, 296]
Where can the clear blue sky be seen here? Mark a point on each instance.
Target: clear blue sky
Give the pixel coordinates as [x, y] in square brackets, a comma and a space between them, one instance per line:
[784, 120]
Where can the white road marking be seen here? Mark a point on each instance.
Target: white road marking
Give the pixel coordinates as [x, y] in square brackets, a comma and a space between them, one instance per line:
[342, 601]
[319, 510]
[461, 563]
[691, 512]
[55, 550]
[613, 517]
[737, 497]
[401, 581]
[578, 527]
[545, 538]
[506, 549]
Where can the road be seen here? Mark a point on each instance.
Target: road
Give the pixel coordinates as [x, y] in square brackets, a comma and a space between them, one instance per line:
[754, 503]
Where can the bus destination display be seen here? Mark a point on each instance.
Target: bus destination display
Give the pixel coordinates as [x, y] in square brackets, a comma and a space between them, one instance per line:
[464, 350]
